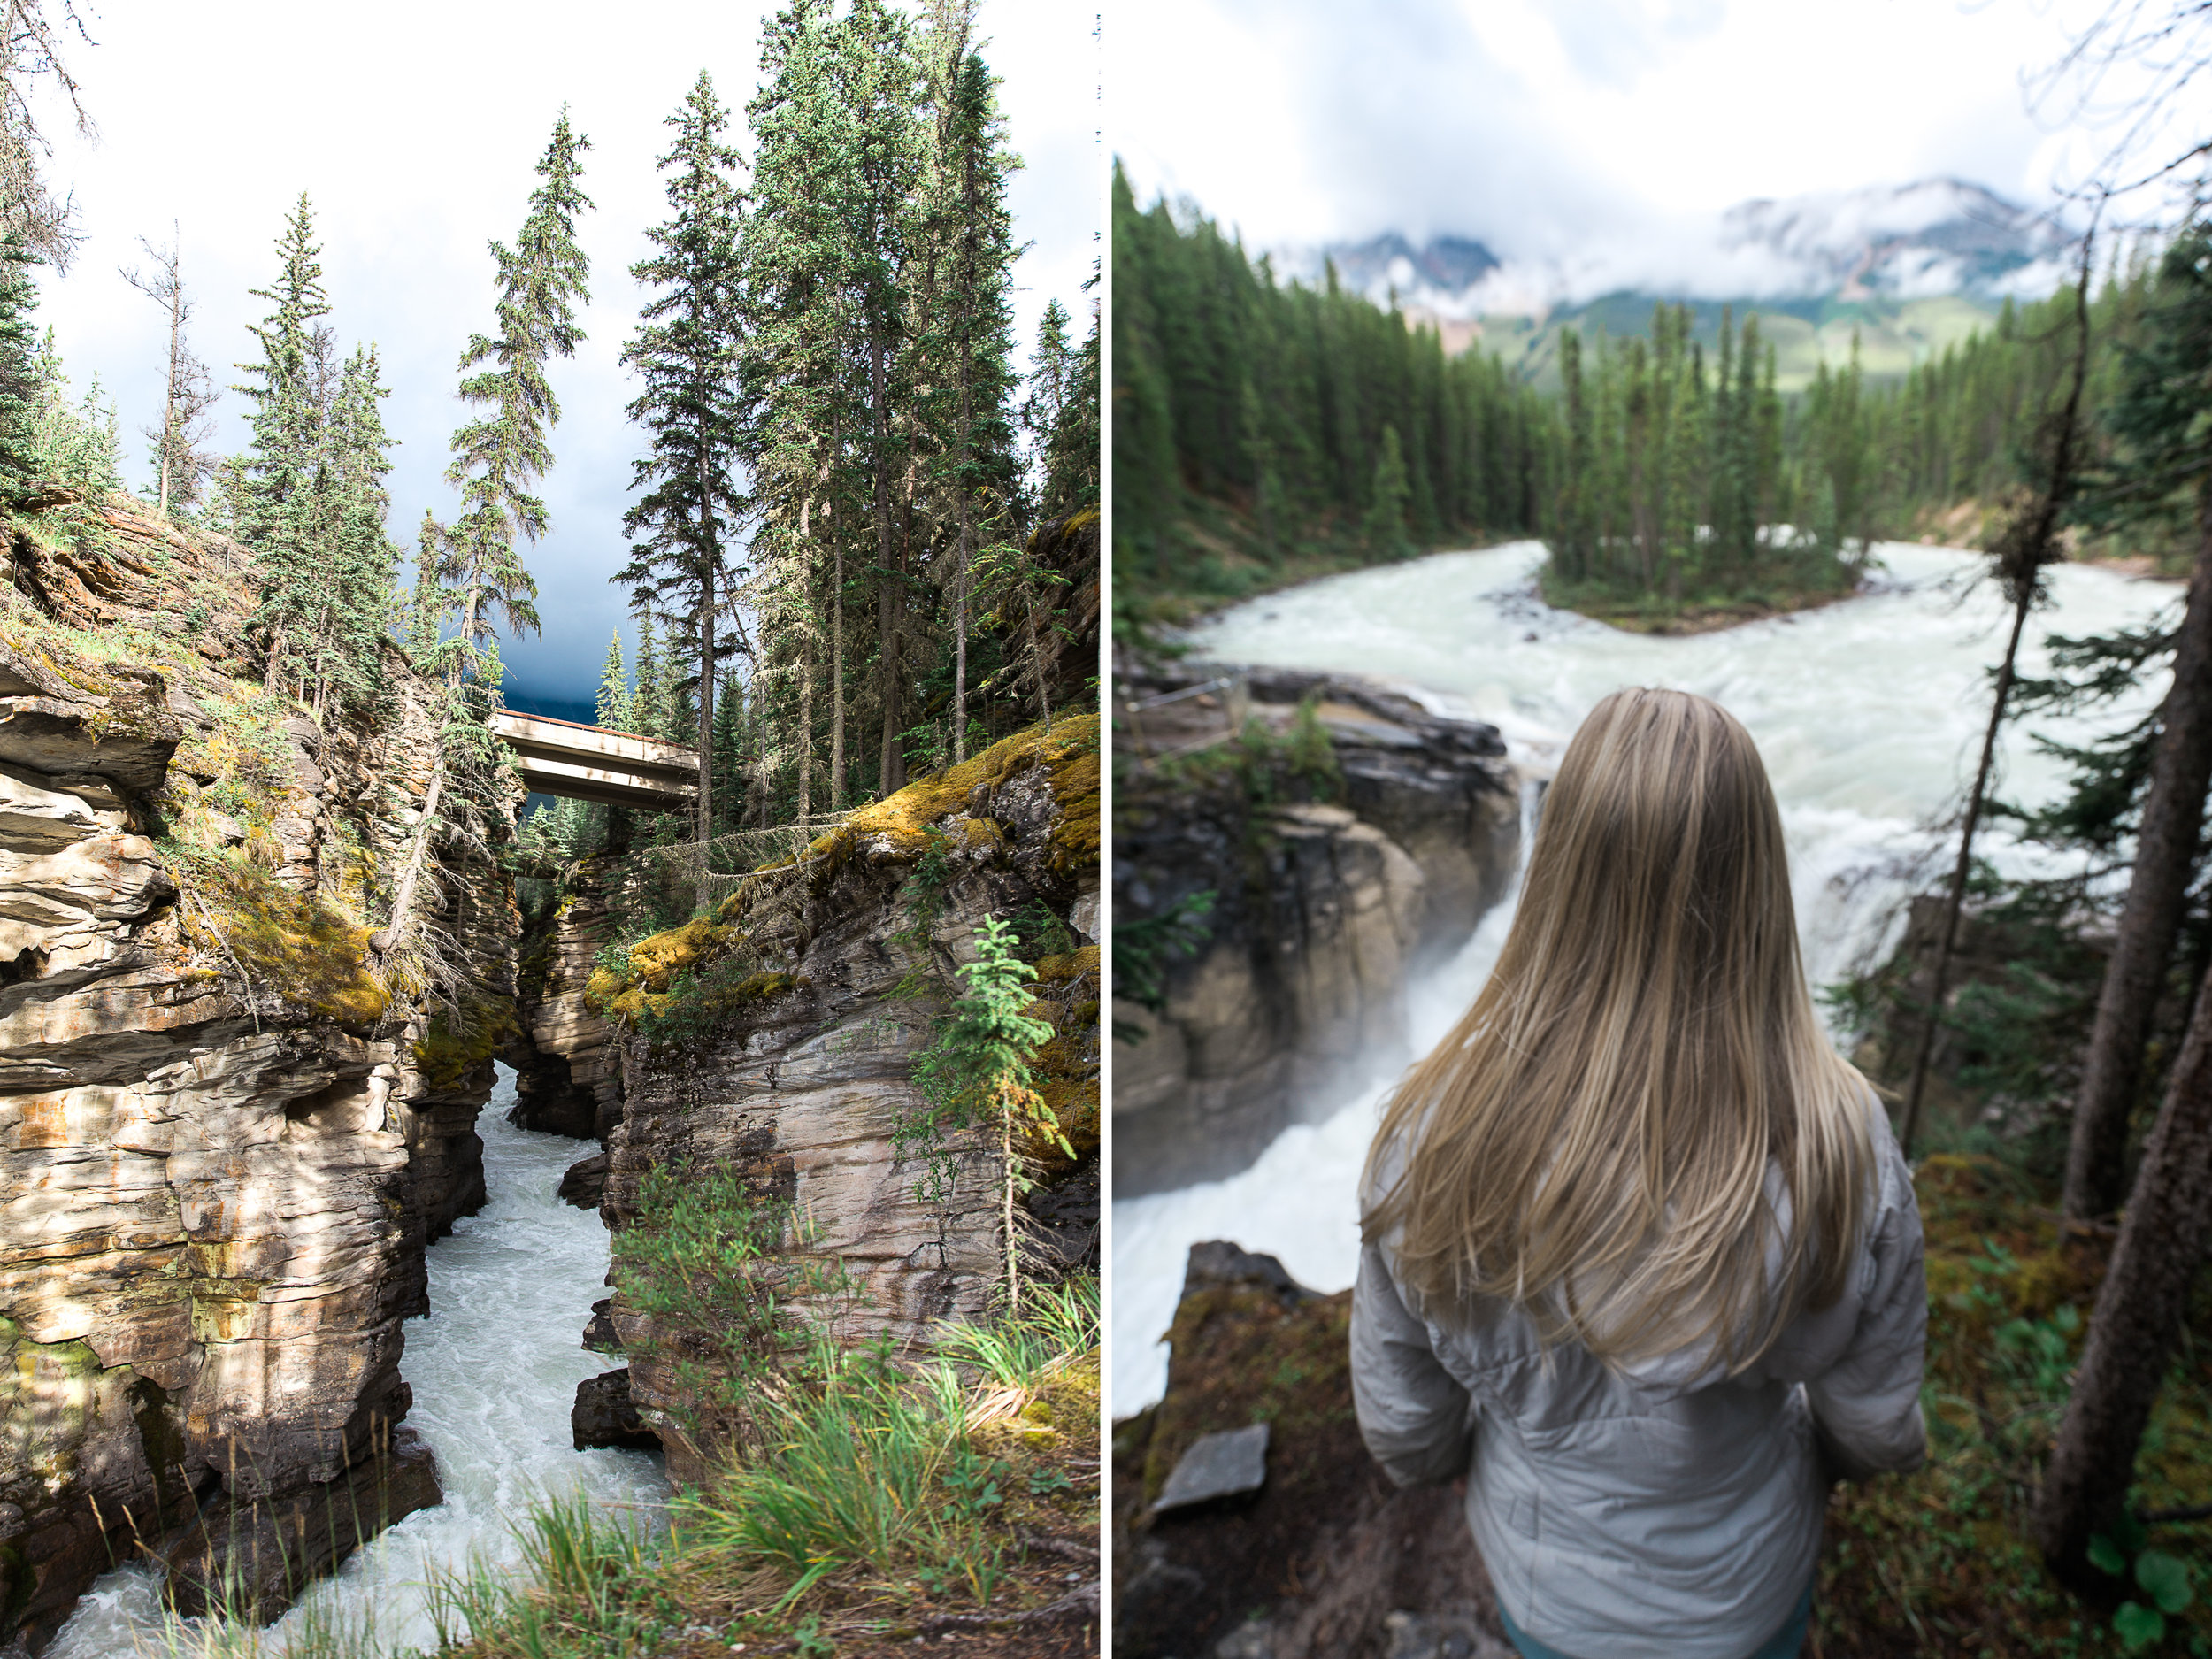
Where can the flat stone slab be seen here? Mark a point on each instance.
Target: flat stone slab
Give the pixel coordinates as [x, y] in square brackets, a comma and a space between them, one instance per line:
[1217, 1466]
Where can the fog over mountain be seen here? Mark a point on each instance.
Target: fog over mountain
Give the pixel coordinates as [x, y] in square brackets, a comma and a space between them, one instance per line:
[1919, 240]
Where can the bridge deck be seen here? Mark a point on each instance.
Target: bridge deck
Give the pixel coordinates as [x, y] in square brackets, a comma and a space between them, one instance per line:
[591, 763]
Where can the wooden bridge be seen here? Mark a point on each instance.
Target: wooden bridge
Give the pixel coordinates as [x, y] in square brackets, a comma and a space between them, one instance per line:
[591, 763]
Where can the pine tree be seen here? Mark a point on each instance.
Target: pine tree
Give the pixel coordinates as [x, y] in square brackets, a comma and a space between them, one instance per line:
[18, 299]
[180, 466]
[612, 705]
[497, 458]
[1385, 527]
[966, 339]
[500, 456]
[804, 362]
[686, 349]
[876, 79]
[276, 511]
[1051, 376]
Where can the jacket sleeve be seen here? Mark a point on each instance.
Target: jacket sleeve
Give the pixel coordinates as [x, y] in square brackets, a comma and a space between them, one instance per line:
[1866, 1406]
[1415, 1420]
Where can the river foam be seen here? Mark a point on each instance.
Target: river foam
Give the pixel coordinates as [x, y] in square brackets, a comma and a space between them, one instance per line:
[493, 1366]
[1869, 713]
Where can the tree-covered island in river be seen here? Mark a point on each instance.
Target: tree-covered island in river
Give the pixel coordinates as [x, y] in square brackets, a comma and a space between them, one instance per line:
[798, 942]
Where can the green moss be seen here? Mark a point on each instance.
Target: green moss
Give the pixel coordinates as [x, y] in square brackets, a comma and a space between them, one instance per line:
[294, 945]
[450, 1049]
[1938, 1560]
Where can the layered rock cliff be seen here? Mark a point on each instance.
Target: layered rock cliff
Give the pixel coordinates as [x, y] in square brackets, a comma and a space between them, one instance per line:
[223, 1142]
[772, 1044]
[1288, 849]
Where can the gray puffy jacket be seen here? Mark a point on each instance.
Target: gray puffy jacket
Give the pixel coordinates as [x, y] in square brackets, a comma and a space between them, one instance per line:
[1653, 1512]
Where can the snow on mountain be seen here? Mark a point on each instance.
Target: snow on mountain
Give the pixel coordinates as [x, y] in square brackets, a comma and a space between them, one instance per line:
[1917, 240]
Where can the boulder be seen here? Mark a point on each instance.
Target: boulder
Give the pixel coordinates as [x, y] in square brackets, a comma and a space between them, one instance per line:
[604, 1414]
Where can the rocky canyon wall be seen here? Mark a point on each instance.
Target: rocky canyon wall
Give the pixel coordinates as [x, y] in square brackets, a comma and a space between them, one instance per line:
[1325, 838]
[223, 1145]
[774, 1045]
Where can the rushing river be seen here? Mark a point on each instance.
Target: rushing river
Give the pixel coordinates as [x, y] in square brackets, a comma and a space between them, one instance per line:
[495, 1366]
[1870, 715]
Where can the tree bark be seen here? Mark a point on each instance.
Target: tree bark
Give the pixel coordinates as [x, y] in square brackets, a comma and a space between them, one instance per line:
[888, 618]
[2166, 847]
[706, 721]
[837, 677]
[2139, 1312]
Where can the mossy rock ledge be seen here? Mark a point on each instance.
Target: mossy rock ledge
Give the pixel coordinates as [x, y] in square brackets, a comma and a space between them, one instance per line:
[774, 1037]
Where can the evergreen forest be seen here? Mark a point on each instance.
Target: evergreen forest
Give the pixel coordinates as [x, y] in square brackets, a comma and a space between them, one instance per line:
[1268, 431]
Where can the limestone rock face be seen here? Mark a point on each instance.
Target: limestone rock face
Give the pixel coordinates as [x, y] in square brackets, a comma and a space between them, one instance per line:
[222, 1148]
[802, 1087]
[568, 1072]
[1319, 911]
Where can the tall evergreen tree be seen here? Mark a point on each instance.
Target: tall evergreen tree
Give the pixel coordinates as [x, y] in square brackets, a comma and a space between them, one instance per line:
[804, 363]
[277, 510]
[878, 80]
[497, 459]
[181, 466]
[612, 706]
[19, 300]
[686, 349]
[966, 338]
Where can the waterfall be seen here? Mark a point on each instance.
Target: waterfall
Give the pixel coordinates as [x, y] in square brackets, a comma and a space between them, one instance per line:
[493, 1366]
[1868, 712]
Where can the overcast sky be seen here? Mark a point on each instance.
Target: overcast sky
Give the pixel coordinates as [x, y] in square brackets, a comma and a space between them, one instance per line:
[414, 127]
[1535, 125]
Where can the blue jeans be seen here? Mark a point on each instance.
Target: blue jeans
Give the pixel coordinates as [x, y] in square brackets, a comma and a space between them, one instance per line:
[1784, 1644]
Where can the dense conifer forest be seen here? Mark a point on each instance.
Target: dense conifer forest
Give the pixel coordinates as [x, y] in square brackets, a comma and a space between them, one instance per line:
[863, 538]
[1266, 431]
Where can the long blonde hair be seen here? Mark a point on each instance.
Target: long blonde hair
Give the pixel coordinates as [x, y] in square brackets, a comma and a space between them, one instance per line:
[1595, 1139]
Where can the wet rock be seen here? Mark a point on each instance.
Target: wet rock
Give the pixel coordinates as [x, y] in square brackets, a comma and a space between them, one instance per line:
[1227, 1464]
[584, 1182]
[604, 1414]
[1315, 1564]
[251, 1557]
[1320, 912]
[599, 1336]
[568, 1069]
[1440, 1636]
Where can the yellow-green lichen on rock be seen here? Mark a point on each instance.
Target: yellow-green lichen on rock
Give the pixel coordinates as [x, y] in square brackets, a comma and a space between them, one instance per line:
[293, 945]
[450, 1049]
[895, 829]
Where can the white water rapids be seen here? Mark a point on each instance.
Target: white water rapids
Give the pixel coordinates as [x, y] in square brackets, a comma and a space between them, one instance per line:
[1870, 715]
[495, 1366]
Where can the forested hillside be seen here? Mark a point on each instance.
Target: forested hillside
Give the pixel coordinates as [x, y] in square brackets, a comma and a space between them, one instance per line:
[1269, 431]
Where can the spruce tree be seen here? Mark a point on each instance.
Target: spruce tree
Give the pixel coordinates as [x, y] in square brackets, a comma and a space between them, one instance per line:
[18, 299]
[805, 361]
[179, 464]
[277, 511]
[611, 707]
[876, 77]
[967, 338]
[497, 459]
[686, 349]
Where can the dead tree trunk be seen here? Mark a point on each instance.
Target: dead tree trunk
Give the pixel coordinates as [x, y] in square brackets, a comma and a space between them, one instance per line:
[2029, 543]
[2165, 850]
[2139, 1313]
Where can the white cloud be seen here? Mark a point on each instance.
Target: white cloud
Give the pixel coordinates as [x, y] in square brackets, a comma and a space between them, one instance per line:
[415, 134]
[1542, 127]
